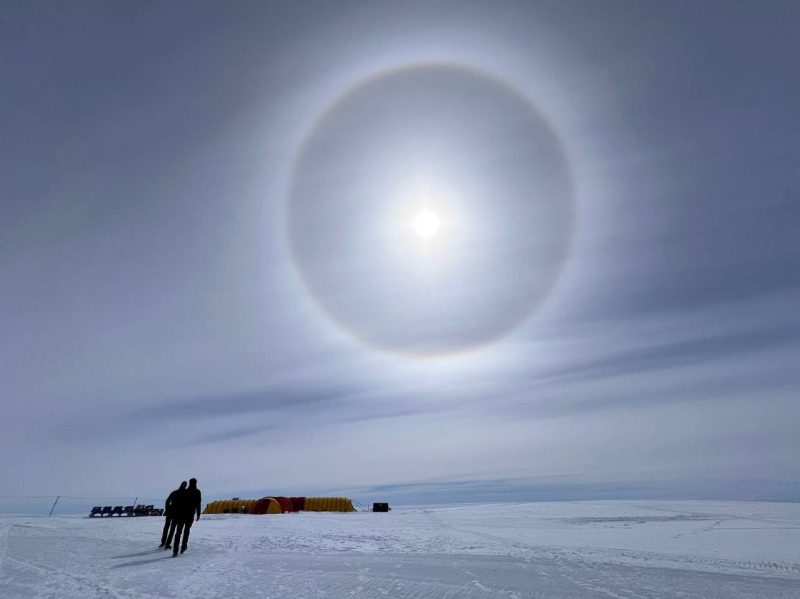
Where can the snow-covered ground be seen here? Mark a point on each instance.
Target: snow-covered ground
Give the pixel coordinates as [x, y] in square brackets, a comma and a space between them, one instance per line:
[566, 549]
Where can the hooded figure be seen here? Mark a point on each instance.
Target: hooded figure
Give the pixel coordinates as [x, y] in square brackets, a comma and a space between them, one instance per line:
[169, 512]
[186, 506]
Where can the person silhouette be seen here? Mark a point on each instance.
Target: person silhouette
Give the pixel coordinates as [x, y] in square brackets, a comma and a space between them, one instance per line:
[169, 513]
[188, 504]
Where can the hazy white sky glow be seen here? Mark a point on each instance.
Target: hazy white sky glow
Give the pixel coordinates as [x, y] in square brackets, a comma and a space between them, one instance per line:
[213, 246]
[427, 223]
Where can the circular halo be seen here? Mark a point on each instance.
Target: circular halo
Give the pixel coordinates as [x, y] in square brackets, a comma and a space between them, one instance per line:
[455, 158]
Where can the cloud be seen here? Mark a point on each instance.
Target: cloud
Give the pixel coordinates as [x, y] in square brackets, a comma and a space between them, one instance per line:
[229, 435]
[271, 401]
[675, 353]
[559, 489]
[149, 304]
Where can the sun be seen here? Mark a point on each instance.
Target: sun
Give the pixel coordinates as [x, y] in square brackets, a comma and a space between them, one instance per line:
[426, 224]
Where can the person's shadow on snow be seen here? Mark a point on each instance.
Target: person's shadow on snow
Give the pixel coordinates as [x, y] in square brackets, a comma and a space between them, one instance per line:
[140, 562]
[140, 554]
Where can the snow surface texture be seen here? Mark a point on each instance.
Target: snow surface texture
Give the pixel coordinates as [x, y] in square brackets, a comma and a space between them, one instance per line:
[580, 549]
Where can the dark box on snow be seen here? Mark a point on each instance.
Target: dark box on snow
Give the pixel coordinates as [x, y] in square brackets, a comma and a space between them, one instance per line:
[380, 507]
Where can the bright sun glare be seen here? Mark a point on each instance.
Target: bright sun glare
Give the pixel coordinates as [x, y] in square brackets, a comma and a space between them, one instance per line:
[426, 223]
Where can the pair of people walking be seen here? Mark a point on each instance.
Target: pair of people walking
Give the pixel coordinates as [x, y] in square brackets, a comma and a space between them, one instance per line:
[180, 509]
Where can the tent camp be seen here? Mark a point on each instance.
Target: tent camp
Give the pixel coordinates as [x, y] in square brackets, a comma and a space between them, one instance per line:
[280, 505]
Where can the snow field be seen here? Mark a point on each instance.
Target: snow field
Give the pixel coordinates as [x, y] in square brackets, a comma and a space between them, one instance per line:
[565, 549]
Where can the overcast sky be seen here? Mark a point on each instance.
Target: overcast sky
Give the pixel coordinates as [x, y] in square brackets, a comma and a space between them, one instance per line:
[158, 321]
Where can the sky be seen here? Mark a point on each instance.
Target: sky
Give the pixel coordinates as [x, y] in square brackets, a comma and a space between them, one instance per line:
[208, 264]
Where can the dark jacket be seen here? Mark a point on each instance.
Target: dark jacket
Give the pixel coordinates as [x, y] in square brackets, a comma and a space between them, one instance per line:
[186, 504]
[193, 502]
[170, 503]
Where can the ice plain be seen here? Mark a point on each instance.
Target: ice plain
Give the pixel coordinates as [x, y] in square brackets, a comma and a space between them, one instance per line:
[515, 550]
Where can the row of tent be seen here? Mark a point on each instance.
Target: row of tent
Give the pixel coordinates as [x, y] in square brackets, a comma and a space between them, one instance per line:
[280, 505]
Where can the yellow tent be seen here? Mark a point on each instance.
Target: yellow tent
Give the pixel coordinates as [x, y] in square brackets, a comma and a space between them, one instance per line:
[329, 504]
[230, 506]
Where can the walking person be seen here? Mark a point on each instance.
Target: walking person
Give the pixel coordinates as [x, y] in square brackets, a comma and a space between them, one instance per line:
[169, 513]
[187, 508]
